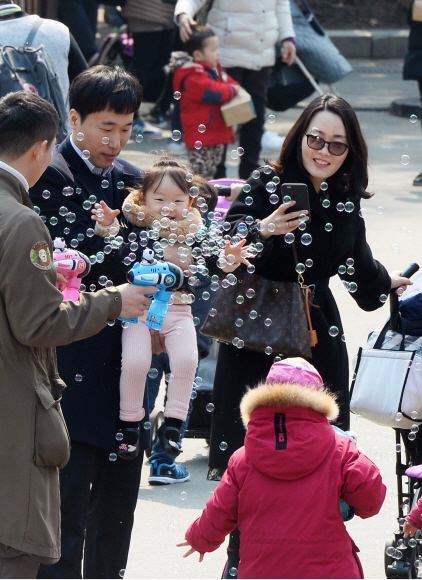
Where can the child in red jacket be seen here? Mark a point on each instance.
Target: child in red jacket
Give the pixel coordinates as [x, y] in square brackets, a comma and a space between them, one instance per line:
[290, 476]
[204, 87]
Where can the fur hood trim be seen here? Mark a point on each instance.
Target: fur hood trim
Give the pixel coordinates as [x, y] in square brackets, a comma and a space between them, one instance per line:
[132, 206]
[288, 395]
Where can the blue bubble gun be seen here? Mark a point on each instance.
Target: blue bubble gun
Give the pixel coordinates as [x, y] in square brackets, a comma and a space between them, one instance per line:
[166, 277]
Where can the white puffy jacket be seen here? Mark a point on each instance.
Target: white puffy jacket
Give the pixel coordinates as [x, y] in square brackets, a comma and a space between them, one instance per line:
[247, 29]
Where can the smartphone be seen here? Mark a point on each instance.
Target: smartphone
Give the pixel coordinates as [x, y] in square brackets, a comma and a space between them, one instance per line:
[299, 193]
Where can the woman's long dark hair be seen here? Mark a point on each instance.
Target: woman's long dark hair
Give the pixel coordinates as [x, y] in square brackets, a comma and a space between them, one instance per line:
[352, 177]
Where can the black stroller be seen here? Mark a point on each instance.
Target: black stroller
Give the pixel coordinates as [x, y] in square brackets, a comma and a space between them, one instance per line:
[403, 331]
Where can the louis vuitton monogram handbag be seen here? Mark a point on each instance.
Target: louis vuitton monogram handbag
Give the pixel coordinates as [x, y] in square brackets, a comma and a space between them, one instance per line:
[265, 315]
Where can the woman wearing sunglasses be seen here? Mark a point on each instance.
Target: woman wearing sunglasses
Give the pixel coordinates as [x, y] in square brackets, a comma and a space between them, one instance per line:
[325, 150]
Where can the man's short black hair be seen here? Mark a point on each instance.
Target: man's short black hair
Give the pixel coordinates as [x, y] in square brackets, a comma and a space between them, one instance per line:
[198, 37]
[105, 88]
[25, 119]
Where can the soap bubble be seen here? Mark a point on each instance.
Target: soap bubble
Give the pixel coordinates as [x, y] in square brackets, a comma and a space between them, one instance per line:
[333, 331]
[268, 322]
[153, 373]
[119, 436]
[240, 152]
[267, 169]
[380, 210]
[189, 177]
[80, 136]
[309, 263]
[271, 118]
[234, 154]
[67, 191]
[413, 118]
[411, 436]
[398, 416]
[210, 407]
[289, 238]
[183, 495]
[240, 299]
[268, 350]
[349, 206]
[383, 298]
[223, 446]
[239, 322]
[198, 144]
[324, 186]
[328, 227]
[398, 448]
[306, 239]
[122, 573]
[86, 154]
[147, 425]
[250, 293]
[105, 183]
[352, 287]
[274, 198]
[300, 268]
[105, 140]
[112, 457]
[405, 160]
[325, 203]
[46, 194]
[248, 200]
[256, 174]
[176, 135]
[287, 199]
[412, 543]
[271, 187]
[177, 95]
[202, 128]
[253, 314]
[340, 206]
[233, 571]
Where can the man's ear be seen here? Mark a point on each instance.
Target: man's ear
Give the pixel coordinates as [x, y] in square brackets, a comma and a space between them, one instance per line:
[74, 119]
[39, 148]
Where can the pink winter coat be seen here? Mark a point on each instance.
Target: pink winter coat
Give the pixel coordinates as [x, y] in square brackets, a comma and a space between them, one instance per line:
[282, 489]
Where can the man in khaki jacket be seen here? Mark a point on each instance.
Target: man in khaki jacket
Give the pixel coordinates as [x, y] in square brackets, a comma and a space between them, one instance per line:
[33, 320]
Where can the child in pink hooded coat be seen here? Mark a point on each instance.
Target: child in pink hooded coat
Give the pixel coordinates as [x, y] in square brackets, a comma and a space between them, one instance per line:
[282, 489]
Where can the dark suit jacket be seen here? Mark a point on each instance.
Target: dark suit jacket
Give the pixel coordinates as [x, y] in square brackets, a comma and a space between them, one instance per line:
[90, 405]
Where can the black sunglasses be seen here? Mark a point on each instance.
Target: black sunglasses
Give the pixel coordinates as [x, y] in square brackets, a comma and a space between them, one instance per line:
[334, 147]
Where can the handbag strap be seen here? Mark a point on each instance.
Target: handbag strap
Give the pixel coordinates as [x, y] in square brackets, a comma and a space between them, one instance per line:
[307, 293]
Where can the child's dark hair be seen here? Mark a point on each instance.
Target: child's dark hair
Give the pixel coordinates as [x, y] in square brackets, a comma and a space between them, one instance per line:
[196, 41]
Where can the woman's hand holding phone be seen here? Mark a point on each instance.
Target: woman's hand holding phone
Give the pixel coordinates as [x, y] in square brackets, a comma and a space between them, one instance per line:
[280, 223]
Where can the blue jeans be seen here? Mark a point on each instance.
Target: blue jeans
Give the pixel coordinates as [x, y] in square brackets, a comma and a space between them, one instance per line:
[161, 363]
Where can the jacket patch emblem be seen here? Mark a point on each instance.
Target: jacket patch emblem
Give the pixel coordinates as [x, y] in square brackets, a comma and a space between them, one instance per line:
[280, 431]
[40, 256]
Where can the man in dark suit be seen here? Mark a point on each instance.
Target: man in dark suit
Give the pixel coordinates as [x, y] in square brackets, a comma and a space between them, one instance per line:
[98, 489]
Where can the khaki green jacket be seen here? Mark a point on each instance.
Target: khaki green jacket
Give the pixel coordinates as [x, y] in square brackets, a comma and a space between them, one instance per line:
[33, 321]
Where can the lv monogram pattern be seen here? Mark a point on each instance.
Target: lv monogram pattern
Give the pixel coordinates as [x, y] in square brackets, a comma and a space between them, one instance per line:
[273, 317]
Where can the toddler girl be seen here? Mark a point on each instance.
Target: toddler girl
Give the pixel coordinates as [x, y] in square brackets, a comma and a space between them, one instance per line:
[165, 204]
[289, 477]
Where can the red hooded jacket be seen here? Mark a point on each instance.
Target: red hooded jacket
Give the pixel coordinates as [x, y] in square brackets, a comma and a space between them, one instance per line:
[203, 91]
[282, 490]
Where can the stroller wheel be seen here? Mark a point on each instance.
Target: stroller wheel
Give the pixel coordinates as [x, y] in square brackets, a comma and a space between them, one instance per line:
[156, 418]
[402, 568]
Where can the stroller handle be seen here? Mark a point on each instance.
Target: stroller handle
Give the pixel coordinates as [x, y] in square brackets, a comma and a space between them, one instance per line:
[395, 322]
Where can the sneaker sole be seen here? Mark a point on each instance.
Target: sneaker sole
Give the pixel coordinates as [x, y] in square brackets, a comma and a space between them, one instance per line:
[159, 480]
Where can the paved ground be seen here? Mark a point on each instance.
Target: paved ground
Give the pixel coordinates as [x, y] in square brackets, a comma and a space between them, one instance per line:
[393, 219]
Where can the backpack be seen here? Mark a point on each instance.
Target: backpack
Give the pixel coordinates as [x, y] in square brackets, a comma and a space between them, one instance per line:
[31, 69]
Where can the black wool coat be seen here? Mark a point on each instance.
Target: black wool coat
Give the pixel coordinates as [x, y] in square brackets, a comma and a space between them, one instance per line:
[90, 404]
[329, 250]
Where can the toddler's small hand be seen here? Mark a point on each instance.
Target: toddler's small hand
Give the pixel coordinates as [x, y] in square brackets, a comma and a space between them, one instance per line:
[191, 551]
[103, 214]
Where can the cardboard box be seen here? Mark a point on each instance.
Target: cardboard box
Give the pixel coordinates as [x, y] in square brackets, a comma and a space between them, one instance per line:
[417, 11]
[239, 109]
